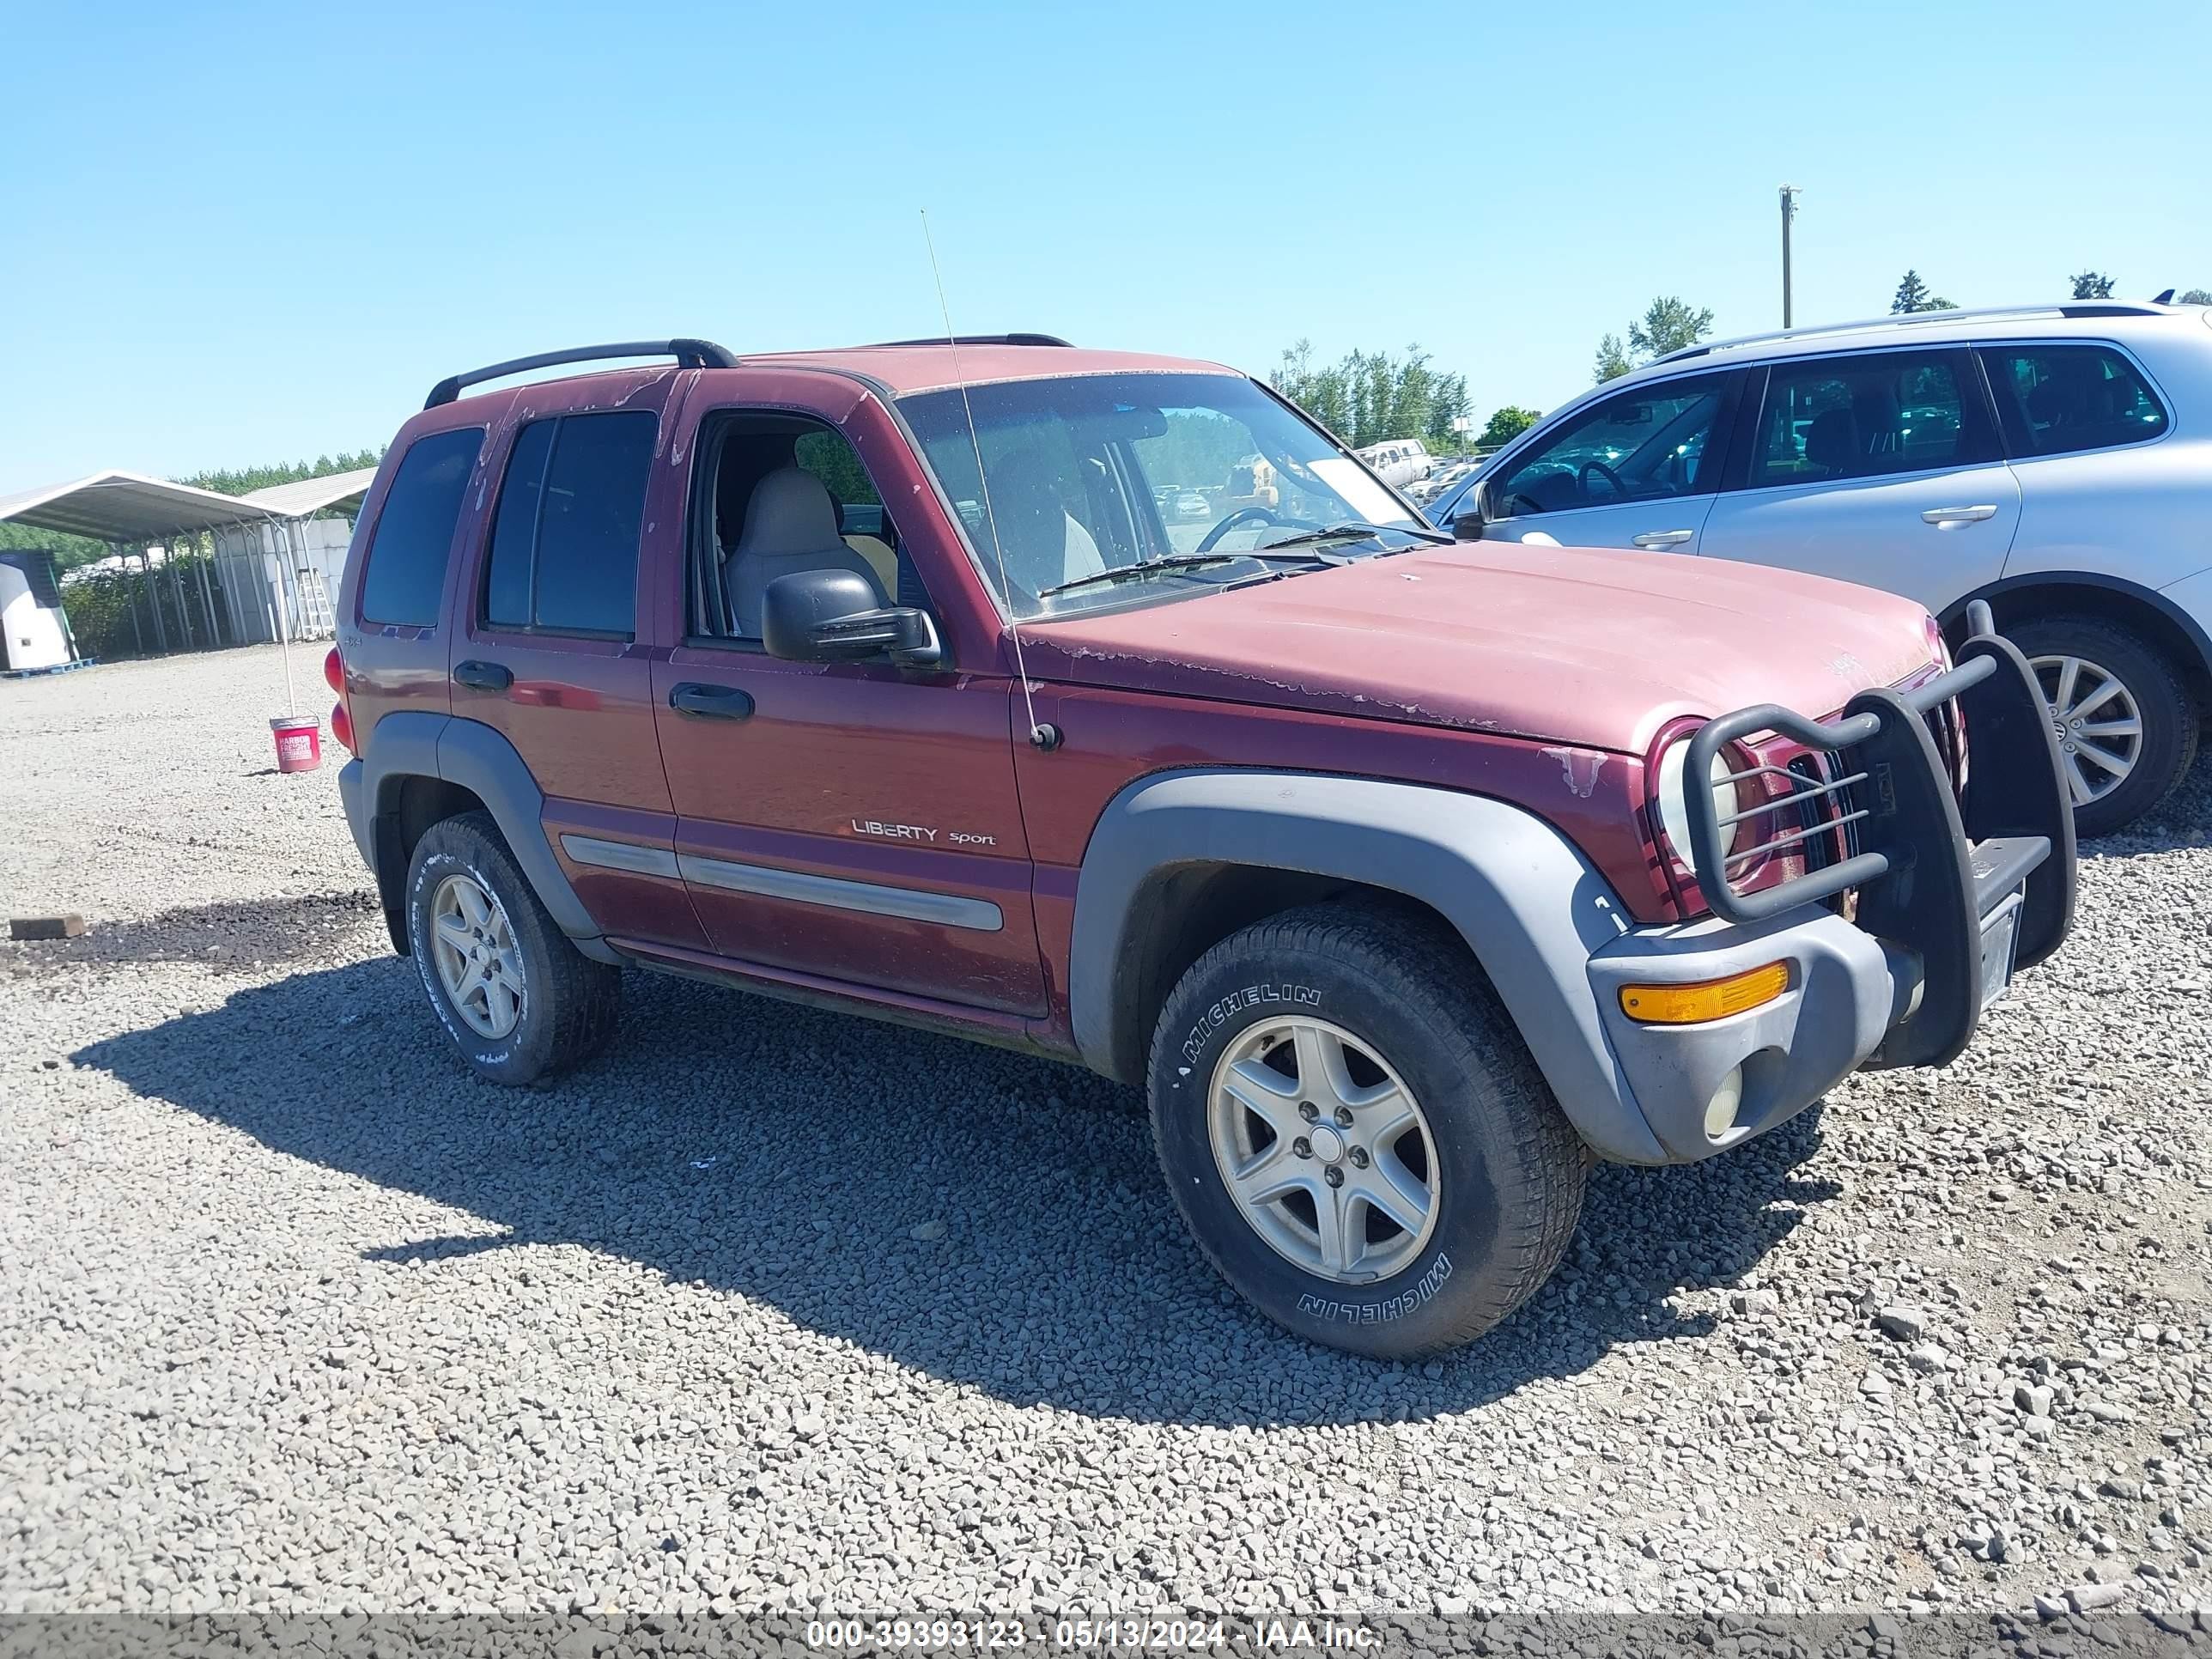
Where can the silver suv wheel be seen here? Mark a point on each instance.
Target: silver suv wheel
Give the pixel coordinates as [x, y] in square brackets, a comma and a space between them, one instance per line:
[473, 946]
[1324, 1150]
[2100, 725]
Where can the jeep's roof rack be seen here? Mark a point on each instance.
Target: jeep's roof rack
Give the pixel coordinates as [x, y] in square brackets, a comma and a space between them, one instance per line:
[1923, 319]
[974, 339]
[689, 354]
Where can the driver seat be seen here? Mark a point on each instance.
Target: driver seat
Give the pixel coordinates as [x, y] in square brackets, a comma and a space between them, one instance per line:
[791, 526]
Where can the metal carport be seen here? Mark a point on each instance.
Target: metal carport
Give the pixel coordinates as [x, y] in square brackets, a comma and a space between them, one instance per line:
[304, 555]
[278, 565]
[128, 511]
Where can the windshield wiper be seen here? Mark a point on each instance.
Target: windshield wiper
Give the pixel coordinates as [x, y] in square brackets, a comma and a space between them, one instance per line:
[1354, 530]
[1122, 573]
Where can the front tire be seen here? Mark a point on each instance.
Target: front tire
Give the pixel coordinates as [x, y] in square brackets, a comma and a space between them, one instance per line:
[2128, 726]
[1355, 1135]
[520, 1001]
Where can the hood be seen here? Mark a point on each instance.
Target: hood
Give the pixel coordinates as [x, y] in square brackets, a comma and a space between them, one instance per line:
[1596, 647]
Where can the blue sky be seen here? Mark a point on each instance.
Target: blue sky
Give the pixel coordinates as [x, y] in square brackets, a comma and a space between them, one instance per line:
[247, 235]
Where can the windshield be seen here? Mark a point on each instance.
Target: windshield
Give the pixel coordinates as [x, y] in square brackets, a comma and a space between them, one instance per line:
[1112, 472]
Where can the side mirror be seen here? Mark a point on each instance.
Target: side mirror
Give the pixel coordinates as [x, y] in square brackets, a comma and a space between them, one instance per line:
[1475, 512]
[831, 616]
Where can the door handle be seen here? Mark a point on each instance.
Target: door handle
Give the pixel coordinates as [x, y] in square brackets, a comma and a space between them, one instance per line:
[1664, 538]
[1958, 514]
[713, 702]
[483, 676]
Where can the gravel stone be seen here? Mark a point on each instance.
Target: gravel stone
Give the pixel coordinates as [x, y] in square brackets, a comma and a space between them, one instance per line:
[2086, 1598]
[1906, 1324]
[297, 1317]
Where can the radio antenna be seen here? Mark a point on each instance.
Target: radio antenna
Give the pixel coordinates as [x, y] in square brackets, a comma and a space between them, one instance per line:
[1044, 737]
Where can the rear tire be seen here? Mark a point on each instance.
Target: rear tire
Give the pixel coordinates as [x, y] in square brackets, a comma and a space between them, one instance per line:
[519, 1000]
[2116, 678]
[1390, 1014]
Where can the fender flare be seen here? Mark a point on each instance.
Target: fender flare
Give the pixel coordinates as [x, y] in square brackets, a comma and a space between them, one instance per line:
[1953, 615]
[414, 743]
[1528, 905]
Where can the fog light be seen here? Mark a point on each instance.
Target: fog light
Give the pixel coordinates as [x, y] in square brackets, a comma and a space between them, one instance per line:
[1709, 999]
[1721, 1110]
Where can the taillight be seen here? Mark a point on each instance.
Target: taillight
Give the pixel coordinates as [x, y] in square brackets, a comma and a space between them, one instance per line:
[341, 716]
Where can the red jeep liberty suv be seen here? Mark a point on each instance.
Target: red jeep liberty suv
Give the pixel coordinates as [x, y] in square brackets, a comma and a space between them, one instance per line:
[1104, 706]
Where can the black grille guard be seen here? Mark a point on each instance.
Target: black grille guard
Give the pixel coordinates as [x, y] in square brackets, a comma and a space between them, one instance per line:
[1927, 869]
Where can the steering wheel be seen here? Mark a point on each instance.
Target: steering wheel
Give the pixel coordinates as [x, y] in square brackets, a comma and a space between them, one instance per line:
[1582, 479]
[1245, 514]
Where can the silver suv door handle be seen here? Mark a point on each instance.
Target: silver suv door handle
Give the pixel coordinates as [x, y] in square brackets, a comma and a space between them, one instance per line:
[1664, 538]
[1958, 514]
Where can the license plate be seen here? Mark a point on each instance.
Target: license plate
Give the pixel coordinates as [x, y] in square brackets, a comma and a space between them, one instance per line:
[2000, 937]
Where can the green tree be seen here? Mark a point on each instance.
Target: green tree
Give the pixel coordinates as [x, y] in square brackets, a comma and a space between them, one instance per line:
[1369, 396]
[1448, 404]
[2197, 297]
[1667, 324]
[1374, 375]
[2091, 285]
[1913, 296]
[244, 480]
[69, 552]
[1324, 392]
[1506, 425]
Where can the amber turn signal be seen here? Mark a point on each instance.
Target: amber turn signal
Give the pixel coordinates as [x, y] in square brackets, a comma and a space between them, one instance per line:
[1707, 998]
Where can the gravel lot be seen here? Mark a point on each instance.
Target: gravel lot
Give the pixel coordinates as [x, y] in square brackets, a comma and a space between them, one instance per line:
[772, 1308]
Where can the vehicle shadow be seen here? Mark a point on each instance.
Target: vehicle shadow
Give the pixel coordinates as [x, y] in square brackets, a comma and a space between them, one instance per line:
[241, 937]
[790, 1156]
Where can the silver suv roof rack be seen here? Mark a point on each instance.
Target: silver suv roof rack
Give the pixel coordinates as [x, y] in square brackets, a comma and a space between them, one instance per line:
[1921, 319]
[689, 354]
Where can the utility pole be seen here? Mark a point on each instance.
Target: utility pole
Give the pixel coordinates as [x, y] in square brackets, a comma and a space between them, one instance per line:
[1790, 194]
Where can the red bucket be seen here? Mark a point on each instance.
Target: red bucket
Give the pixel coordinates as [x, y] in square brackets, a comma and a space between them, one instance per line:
[299, 742]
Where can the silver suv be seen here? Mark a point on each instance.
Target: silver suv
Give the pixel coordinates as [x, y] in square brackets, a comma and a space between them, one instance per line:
[2055, 460]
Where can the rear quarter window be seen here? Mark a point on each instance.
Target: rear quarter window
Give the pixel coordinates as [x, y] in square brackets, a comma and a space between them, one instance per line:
[2062, 399]
[404, 577]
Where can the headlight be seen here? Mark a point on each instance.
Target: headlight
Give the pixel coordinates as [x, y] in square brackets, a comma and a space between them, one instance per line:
[1673, 804]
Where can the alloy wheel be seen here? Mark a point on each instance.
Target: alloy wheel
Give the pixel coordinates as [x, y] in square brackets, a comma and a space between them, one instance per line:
[2100, 727]
[1324, 1150]
[472, 942]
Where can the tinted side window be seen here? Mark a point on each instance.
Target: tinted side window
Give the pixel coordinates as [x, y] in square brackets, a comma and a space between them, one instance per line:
[405, 577]
[565, 543]
[2054, 399]
[1863, 417]
[1644, 444]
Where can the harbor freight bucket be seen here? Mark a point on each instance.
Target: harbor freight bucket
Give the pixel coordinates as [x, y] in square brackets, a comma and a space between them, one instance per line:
[299, 742]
